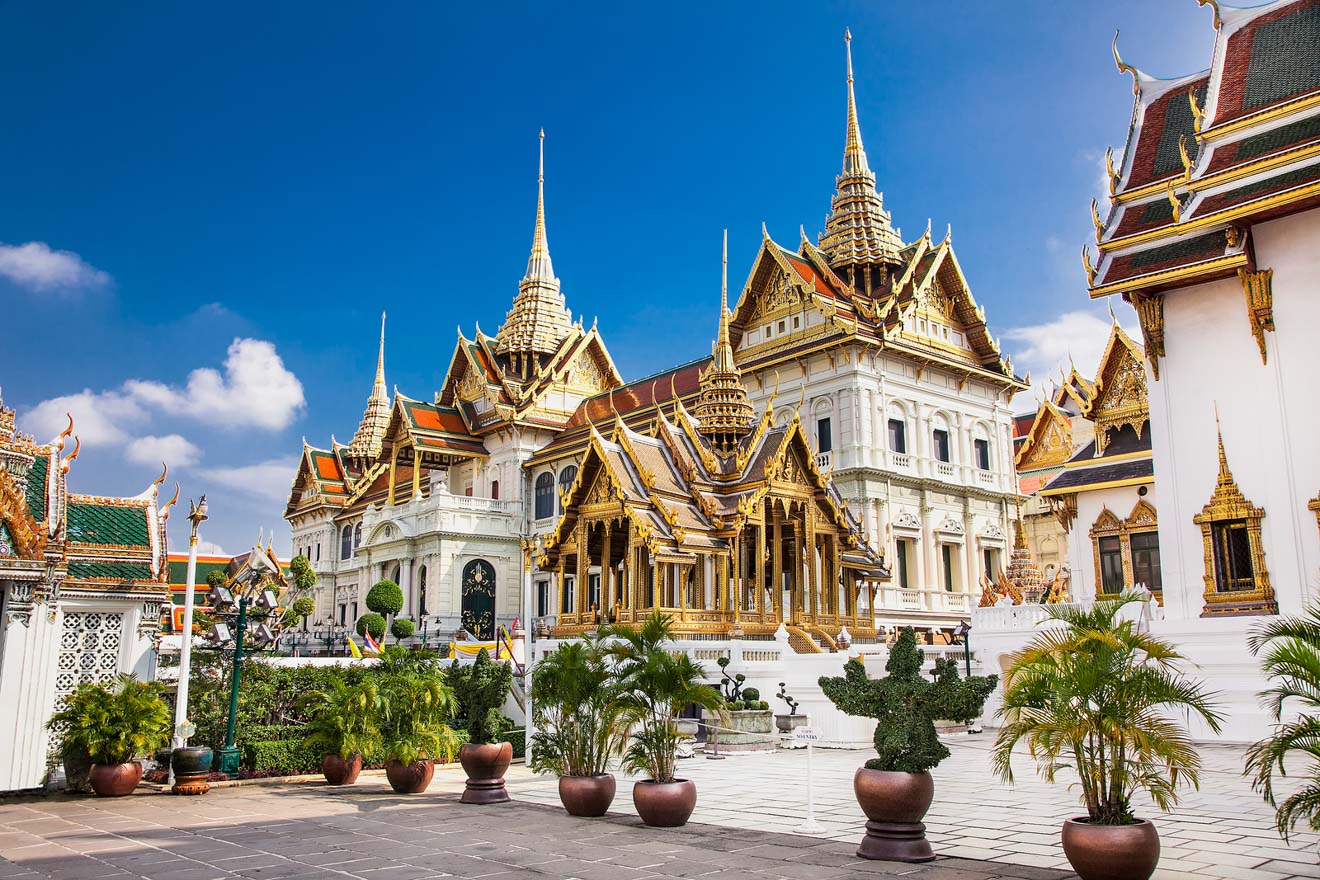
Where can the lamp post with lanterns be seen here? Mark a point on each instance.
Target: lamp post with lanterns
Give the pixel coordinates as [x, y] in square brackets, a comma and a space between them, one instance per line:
[182, 729]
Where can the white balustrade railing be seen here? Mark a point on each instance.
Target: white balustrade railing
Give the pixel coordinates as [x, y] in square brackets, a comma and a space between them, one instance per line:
[823, 460]
[944, 469]
[1008, 617]
[985, 478]
[900, 461]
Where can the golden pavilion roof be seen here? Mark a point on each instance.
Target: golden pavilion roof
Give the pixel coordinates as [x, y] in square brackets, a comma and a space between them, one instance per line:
[366, 442]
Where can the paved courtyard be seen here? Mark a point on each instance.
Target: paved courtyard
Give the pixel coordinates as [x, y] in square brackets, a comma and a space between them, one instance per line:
[747, 825]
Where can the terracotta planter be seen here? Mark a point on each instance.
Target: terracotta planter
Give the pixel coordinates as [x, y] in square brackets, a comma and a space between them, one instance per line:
[894, 804]
[410, 778]
[115, 780]
[665, 804]
[587, 795]
[485, 765]
[337, 771]
[1111, 852]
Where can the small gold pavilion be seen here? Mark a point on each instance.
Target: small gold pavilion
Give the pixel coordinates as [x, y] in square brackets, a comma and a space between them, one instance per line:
[717, 517]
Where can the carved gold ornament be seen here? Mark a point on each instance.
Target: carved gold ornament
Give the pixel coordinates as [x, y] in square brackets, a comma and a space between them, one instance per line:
[1227, 512]
[1121, 400]
[1111, 176]
[1259, 290]
[1150, 312]
[27, 536]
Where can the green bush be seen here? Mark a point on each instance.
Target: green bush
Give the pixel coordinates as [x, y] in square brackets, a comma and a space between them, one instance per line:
[402, 628]
[385, 598]
[480, 689]
[751, 695]
[373, 623]
[286, 757]
[303, 607]
[518, 738]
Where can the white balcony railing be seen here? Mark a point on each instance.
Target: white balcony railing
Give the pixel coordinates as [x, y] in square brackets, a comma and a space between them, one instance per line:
[922, 600]
[901, 461]
[944, 470]
[823, 460]
[985, 478]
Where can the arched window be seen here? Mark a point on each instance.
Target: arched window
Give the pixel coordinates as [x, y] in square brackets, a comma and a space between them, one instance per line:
[479, 598]
[545, 496]
[421, 592]
[357, 536]
[566, 478]
[346, 543]
[495, 489]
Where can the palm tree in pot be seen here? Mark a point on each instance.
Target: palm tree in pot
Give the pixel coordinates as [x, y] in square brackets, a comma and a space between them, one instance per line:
[113, 724]
[654, 687]
[343, 724]
[578, 724]
[482, 688]
[415, 704]
[895, 788]
[1292, 660]
[1099, 697]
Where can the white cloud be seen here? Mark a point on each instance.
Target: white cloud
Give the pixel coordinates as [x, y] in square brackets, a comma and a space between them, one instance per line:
[256, 390]
[269, 480]
[210, 548]
[1044, 349]
[100, 418]
[172, 449]
[37, 267]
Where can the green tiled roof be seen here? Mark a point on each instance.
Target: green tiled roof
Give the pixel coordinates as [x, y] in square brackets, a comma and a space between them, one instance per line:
[1202, 245]
[1178, 124]
[107, 524]
[36, 488]
[1158, 210]
[120, 571]
[1285, 58]
[179, 570]
[1278, 138]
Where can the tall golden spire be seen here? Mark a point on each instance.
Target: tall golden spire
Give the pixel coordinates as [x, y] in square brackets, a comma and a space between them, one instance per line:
[366, 443]
[723, 411]
[539, 319]
[859, 236]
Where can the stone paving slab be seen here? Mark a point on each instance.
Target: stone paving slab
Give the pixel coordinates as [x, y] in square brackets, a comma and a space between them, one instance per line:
[290, 832]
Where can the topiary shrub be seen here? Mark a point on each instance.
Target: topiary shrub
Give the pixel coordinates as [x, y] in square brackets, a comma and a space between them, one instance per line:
[402, 628]
[751, 695]
[906, 704]
[304, 606]
[481, 689]
[385, 598]
[371, 623]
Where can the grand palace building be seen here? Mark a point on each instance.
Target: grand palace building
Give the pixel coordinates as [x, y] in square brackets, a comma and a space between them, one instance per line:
[842, 464]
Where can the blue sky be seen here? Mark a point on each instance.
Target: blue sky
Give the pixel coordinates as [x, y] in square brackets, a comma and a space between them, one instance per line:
[206, 208]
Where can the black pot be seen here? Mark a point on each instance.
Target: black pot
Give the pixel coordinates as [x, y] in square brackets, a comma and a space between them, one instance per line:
[191, 760]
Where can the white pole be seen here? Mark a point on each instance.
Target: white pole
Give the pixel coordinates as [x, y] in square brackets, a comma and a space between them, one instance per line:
[197, 515]
[810, 826]
[527, 653]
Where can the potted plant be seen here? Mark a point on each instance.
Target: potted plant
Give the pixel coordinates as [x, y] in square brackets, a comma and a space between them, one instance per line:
[414, 703]
[72, 728]
[895, 788]
[578, 728]
[1099, 696]
[343, 724]
[748, 722]
[114, 723]
[655, 686]
[481, 689]
[1292, 659]
[793, 720]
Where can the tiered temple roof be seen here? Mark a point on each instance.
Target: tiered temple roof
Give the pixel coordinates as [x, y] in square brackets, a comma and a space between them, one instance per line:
[1208, 155]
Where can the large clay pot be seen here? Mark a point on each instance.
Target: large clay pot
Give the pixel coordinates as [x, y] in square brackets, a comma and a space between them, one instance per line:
[485, 765]
[191, 760]
[894, 804]
[665, 804]
[115, 780]
[337, 771]
[587, 795]
[409, 778]
[1111, 852]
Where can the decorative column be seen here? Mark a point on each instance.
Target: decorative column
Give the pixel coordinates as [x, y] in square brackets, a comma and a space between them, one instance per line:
[580, 580]
[394, 461]
[776, 564]
[606, 569]
[417, 473]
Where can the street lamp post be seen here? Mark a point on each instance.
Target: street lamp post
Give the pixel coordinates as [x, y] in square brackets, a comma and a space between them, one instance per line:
[228, 756]
[964, 632]
[197, 516]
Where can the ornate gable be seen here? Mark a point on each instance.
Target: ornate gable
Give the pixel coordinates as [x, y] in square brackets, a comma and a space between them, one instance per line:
[1049, 442]
[1120, 396]
[784, 286]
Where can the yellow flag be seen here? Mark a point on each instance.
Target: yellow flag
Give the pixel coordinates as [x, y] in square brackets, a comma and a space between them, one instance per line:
[353, 649]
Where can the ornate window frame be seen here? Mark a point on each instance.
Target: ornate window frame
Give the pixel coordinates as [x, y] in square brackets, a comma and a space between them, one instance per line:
[1228, 504]
[1141, 520]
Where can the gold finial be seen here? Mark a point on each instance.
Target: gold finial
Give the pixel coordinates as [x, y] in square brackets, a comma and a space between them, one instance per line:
[1095, 221]
[380, 359]
[854, 154]
[1110, 174]
[1186, 159]
[1113, 319]
[1175, 204]
[1225, 475]
[1198, 115]
[1124, 67]
[1086, 263]
[539, 267]
[1213, 4]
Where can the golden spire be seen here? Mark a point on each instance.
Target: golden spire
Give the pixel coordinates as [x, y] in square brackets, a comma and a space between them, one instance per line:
[858, 231]
[366, 443]
[539, 319]
[854, 154]
[723, 411]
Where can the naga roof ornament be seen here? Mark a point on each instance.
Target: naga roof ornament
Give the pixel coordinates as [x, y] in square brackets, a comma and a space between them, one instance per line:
[539, 320]
[858, 231]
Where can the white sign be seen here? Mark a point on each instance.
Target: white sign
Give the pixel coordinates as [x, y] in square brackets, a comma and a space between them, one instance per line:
[806, 734]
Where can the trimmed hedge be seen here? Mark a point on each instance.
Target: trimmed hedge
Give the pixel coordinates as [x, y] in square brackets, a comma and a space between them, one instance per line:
[284, 756]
